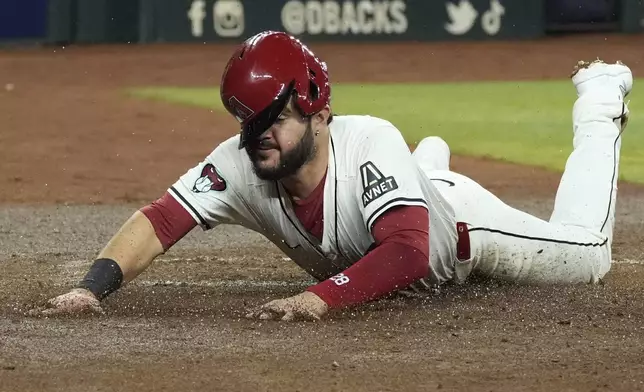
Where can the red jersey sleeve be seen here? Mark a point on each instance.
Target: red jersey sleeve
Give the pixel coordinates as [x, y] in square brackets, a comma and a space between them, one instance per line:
[170, 220]
[400, 257]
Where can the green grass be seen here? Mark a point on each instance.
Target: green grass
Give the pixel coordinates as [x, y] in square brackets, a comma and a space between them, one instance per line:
[521, 122]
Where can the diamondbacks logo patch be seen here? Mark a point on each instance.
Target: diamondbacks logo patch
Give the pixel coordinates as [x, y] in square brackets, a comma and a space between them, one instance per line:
[374, 183]
[209, 180]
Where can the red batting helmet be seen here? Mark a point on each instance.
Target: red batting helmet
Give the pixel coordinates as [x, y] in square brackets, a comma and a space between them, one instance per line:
[263, 73]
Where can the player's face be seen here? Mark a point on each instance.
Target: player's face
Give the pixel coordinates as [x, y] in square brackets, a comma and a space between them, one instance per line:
[284, 148]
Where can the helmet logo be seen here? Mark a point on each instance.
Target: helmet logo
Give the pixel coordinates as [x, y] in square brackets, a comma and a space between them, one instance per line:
[242, 112]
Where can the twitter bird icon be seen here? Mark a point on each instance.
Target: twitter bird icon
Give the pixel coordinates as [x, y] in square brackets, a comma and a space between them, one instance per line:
[462, 17]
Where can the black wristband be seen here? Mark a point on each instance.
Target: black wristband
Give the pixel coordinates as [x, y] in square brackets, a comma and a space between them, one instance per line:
[103, 278]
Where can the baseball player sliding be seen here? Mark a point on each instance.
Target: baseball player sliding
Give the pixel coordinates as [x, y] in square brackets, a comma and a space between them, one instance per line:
[345, 198]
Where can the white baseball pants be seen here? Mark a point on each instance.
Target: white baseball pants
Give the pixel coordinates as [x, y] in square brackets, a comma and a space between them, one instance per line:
[574, 246]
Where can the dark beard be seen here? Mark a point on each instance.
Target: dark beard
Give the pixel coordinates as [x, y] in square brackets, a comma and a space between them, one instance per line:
[290, 162]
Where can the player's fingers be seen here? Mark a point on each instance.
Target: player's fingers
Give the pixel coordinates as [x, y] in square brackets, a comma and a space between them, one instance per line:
[60, 312]
[97, 309]
[266, 316]
[36, 312]
[253, 314]
[52, 303]
[63, 300]
[288, 316]
[49, 312]
[70, 309]
[271, 308]
[308, 316]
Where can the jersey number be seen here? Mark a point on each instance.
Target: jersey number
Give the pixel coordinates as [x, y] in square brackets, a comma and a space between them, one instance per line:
[340, 279]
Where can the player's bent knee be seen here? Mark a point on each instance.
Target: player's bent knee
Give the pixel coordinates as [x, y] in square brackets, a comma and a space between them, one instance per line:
[433, 143]
[433, 153]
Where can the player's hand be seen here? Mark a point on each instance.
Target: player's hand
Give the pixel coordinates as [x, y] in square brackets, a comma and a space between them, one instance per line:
[75, 302]
[304, 306]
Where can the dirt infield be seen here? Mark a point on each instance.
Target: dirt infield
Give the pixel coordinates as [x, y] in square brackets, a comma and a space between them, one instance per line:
[77, 158]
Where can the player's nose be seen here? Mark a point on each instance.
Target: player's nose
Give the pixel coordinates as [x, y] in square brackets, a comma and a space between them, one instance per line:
[267, 139]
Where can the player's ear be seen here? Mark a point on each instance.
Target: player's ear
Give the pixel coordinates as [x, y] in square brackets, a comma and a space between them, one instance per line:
[321, 118]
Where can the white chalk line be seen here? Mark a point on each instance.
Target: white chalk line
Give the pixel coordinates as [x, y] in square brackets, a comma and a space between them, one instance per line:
[225, 284]
[73, 269]
[72, 266]
[77, 263]
[262, 283]
[629, 261]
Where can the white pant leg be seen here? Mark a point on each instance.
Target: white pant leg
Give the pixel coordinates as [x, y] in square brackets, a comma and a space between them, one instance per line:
[575, 245]
[588, 190]
[513, 245]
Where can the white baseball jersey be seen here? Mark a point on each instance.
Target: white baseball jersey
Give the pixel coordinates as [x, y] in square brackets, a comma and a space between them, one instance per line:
[370, 171]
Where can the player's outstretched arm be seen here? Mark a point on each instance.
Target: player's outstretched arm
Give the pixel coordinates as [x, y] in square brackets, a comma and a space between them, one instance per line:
[400, 257]
[148, 233]
[398, 221]
[128, 253]
[133, 247]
